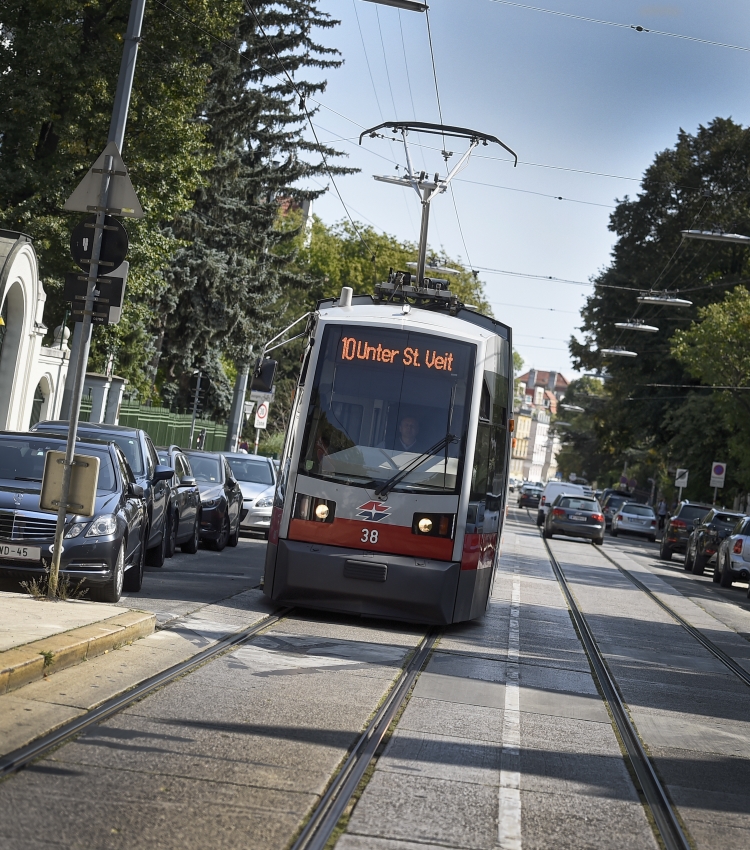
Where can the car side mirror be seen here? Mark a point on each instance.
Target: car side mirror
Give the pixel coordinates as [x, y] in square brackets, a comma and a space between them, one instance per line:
[135, 490]
[162, 473]
[263, 375]
[188, 481]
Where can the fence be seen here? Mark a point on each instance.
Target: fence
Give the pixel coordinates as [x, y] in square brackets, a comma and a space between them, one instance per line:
[166, 427]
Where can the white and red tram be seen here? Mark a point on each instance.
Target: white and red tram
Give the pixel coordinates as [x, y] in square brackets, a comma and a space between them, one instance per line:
[392, 487]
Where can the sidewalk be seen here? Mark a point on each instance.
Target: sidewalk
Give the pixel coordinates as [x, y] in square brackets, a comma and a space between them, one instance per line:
[39, 637]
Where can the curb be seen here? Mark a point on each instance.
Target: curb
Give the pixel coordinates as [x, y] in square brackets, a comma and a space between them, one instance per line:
[38, 659]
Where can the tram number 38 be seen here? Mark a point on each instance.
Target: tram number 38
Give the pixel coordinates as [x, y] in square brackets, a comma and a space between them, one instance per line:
[369, 536]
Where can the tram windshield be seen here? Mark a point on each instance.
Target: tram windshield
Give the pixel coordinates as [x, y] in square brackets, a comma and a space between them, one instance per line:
[382, 398]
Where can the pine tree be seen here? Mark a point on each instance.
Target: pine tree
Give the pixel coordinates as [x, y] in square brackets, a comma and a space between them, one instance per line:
[224, 285]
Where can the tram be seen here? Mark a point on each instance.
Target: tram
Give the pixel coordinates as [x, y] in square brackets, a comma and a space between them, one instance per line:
[392, 487]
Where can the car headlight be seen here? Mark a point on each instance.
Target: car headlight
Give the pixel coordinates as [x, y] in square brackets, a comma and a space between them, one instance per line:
[103, 525]
[264, 503]
[75, 530]
[210, 503]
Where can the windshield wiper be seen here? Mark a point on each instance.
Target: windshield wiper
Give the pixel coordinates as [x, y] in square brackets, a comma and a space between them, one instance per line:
[386, 488]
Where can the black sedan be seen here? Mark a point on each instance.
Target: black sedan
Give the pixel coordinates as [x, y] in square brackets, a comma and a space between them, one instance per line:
[221, 499]
[137, 447]
[575, 516]
[530, 497]
[706, 537]
[184, 513]
[104, 552]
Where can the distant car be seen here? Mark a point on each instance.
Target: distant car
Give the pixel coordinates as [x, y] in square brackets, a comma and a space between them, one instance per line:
[633, 518]
[257, 479]
[552, 489]
[529, 497]
[612, 503]
[575, 516]
[221, 499]
[733, 557]
[677, 529]
[704, 540]
[104, 552]
[140, 453]
[184, 514]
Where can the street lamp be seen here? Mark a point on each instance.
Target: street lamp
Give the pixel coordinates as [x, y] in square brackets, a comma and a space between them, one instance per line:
[618, 351]
[409, 5]
[665, 299]
[716, 236]
[636, 326]
[574, 407]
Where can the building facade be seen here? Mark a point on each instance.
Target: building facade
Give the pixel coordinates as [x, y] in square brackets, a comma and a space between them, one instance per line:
[538, 395]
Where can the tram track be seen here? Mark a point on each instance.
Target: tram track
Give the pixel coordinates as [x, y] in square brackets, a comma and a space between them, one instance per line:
[664, 815]
[20, 758]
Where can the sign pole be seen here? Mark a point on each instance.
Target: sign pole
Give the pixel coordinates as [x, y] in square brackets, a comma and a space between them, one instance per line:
[80, 370]
[716, 490]
[257, 439]
[195, 408]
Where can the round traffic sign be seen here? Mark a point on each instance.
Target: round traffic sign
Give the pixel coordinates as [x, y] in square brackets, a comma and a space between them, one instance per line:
[114, 244]
[718, 469]
[262, 411]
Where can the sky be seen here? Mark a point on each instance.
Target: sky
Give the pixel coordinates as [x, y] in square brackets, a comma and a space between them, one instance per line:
[569, 96]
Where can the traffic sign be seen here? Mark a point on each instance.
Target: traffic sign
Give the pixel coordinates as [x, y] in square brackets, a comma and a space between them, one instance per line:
[121, 198]
[114, 247]
[261, 414]
[681, 478]
[718, 474]
[249, 405]
[108, 295]
[258, 396]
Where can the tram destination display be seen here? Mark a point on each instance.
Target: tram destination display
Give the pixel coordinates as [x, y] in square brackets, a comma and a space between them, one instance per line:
[363, 349]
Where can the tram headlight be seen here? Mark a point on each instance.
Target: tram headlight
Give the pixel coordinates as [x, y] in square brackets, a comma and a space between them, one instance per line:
[425, 525]
[434, 525]
[313, 509]
[322, 511]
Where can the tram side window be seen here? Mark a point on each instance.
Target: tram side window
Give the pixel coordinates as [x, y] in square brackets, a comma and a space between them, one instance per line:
[489, 456]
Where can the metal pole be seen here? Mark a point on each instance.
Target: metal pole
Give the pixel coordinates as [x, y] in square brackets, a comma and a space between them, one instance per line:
[79, 373]
[716, 489]
[116, 135]
[257, 439]
[195, 408]
[236, 413]
[422, 261]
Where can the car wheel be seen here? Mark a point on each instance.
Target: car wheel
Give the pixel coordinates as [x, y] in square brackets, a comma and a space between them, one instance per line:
[112, 590]
[156, 556]
[547, 535]
[540, 518]
[665, 553]
[725, 578]
[652, 539]
[599, 541]
[613, 531]
[688, 559]
[266, 535]
[174, 524]
[699, 563]
[234, 539]
[190, 547]
[133, 579]
[220, 543]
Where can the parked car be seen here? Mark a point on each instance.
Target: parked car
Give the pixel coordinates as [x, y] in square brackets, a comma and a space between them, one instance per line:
[149, 474]
[704, 540]
[633, 518]
[733, 558]
[575, 516]
[104, 552]
[677, 528]
[553, 489]
[257, 479]
[221, 499]
[184, 512]
[612, 503]
[530, 496]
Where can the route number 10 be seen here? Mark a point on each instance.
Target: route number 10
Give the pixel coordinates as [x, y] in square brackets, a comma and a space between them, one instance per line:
[369, 536]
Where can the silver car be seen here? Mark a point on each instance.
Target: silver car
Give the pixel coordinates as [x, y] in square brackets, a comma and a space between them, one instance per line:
[257, 479]
[733, 557]
[633, 518]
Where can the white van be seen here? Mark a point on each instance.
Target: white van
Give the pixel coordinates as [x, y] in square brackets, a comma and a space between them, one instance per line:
[553, 489]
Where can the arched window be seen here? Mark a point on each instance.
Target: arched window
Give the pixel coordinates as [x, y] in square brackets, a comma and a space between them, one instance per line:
[38, 403]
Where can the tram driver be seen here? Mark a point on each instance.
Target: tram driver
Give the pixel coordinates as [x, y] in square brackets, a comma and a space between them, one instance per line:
[408, 431]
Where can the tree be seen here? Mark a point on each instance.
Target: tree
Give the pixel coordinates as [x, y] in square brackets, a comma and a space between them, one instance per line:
[60, 60]
[223, 287]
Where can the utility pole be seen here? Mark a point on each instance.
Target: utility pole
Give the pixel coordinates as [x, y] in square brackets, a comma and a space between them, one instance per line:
[237, 412]
[117, 135]
[195, 407]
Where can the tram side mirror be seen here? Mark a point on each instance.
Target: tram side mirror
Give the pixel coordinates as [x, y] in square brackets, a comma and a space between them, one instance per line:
[265, 372]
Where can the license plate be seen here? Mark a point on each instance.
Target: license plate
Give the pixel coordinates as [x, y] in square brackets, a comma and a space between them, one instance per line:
[20, 553]
[579, 518]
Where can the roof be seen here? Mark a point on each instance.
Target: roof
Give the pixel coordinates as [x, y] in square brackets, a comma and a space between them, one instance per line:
[542, 379]
[87, 426]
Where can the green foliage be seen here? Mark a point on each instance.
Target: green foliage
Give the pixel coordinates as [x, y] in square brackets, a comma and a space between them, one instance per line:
[61, 59]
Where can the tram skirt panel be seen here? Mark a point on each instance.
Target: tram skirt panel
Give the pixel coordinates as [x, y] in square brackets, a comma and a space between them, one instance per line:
[348, 580]
[473, 592]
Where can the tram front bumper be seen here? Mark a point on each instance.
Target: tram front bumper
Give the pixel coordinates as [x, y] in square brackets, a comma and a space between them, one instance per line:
[335, 578]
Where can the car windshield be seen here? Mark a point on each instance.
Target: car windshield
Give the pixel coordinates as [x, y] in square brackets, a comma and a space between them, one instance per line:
[251, 471]
[636, 510]
[616, 501]
[693, 512]
[579, 504]
[22, 459]
[206, 468]
[383, 397]
[130, 445]
[726, 519]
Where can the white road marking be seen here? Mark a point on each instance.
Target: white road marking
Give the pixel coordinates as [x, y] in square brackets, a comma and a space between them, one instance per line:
[509, 821]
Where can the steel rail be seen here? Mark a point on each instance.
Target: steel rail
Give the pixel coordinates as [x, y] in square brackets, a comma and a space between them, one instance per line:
[664, 815]
[718, 653]
[327, 813]
[18, 759]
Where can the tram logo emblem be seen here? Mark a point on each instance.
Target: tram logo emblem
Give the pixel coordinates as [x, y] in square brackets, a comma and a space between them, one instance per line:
[373, 511]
